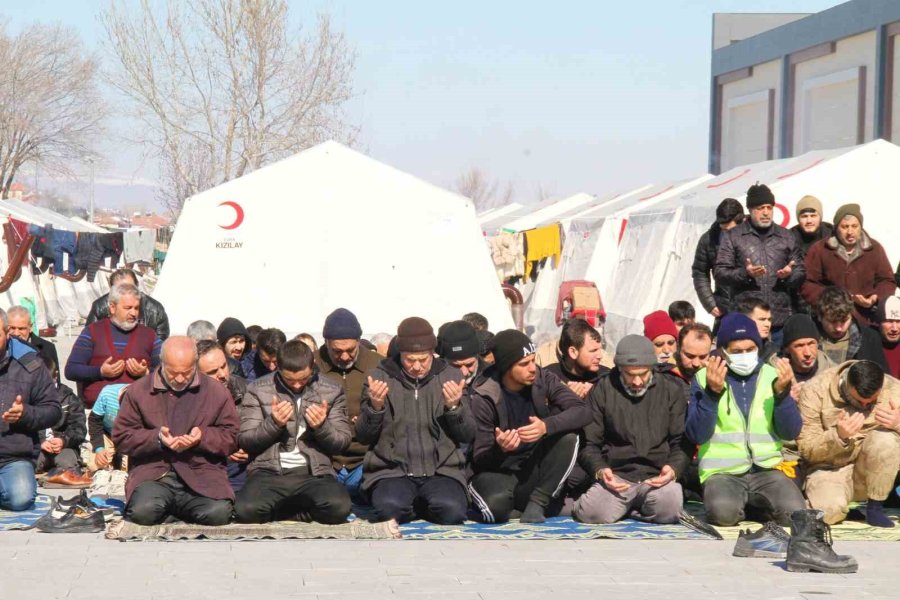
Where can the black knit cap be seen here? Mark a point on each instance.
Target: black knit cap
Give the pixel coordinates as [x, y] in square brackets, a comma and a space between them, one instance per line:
[485, 341]
[230, 327]
[458, 340]
[415, 334]
[728, 210]
[798, 327]
[758, 195]
[511, 346]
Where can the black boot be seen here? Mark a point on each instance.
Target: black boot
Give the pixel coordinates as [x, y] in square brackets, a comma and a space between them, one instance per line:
[810, 548]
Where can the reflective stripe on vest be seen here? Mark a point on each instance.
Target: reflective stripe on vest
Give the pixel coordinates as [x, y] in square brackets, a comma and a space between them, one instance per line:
[736, 445]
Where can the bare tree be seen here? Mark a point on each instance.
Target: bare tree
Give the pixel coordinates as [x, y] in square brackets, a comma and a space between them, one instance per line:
[50, 104]
[482, 191]
[222, 87]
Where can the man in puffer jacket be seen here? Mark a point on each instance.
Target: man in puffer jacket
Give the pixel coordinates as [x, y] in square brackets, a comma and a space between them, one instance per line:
[414, 416]
[152, 313]
[729, 214]
[292, 422]
[760, 256]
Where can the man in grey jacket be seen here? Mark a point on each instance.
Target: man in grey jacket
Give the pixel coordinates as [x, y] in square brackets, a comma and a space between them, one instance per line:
[292, 423]
[414, 417]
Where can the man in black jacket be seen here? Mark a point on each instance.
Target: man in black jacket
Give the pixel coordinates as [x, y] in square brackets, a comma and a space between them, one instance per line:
[526, 436]
[635, 443]
[152, 314]
[458, 344]
[21, 326]
[579, 352]
[60, 447]
[760, 256]
[29, 404]
[729, 214]
[414, 417]
[842, 337]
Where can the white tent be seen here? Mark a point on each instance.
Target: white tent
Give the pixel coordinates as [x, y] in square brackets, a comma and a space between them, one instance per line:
[655, 256]
[329, 227]
[549, 213]
[502, 211]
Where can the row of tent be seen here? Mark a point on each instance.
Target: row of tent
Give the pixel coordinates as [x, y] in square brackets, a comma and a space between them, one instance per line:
[638, 246]
[55, 301]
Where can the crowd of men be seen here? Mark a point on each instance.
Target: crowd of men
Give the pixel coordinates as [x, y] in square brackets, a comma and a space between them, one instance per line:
[790, 401]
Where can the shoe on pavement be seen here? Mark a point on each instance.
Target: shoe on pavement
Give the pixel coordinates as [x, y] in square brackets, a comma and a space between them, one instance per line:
[769, 541]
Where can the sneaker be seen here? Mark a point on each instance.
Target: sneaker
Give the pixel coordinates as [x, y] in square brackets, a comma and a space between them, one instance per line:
[76, 520]
[61, 506]
[769, 541]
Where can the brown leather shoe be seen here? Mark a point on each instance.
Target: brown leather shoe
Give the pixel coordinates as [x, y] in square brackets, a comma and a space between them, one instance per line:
[68, 478]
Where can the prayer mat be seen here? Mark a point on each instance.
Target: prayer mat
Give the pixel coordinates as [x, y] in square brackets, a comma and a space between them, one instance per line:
[846, 531]
[554, 528]
[281, 530]
[10, 520]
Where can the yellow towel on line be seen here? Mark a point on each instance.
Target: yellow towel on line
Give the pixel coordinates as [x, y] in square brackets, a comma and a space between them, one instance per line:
[541, 243]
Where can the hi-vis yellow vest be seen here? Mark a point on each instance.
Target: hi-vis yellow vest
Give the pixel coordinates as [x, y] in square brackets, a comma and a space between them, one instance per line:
[737, 444]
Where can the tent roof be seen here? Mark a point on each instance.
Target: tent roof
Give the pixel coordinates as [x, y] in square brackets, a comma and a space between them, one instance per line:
[38, 215]
[495, 213]
[287, 244]
[548, 213]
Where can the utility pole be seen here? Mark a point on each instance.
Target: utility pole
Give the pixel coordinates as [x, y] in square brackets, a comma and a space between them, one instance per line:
[91, 213]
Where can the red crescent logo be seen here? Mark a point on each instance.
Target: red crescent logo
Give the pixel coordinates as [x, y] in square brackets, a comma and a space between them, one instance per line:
[238, 214]
[785, 214]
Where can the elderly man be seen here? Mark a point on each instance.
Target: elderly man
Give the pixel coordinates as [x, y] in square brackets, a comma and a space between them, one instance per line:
[851, 260]
[800, 345]
[889, 319]
[150, 312]
[29, 404]
[344, 361]
[211, 361]
[526, 436]
[851, 440]
[580, 354]
[20, 326]
[740, 412]
[117, 349]
[660, 329]
[760, 256]
[635, 446]
[413, 418]
[177, 427]
[841, 336]
[292, 423]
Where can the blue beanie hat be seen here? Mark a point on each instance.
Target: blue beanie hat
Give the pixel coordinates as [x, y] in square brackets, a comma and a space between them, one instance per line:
[737, 326]
[341, 325]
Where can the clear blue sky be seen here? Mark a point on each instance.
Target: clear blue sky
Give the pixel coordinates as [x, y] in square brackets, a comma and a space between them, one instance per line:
[571, 96]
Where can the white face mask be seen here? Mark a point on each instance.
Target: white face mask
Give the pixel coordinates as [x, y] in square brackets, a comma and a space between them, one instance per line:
[743, 364]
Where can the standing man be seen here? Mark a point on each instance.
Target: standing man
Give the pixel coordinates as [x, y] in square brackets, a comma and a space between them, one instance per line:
[343, 360]
[889, 317]
[851, 440]
[635, 441]
[810, 227]
[760, 256]
[29, 404]
[117, 349]
[526, 437]
[740, 412]
[177, 428]
[729, 214]
[413, 418]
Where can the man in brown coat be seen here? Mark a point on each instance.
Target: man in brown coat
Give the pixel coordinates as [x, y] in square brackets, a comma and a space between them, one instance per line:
[851, 260]
[850, 439]
[177, 427]
[343, 360]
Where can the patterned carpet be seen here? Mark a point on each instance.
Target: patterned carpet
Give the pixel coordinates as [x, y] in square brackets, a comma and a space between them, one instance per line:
[23, 520]
[555, 528]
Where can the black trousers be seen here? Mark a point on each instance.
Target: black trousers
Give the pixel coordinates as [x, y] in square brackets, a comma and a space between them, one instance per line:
[540, 479]
[153, 501]
[766, 495]
[438, 499]
[293, 494]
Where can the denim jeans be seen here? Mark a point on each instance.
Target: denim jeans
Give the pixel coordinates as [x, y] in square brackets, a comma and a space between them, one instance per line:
[18, 487]
[352, 480]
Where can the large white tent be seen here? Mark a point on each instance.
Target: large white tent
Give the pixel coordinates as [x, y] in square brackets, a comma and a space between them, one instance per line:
[328, 227]
[657, 250]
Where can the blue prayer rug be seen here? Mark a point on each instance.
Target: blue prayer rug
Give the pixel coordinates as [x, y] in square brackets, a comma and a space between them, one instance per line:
[554, 528]
[10, 520]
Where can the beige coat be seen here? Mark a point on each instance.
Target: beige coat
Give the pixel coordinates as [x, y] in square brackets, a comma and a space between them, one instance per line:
[820, 405]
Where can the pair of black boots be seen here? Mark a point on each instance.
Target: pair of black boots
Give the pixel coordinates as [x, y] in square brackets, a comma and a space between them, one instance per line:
[808, 548]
